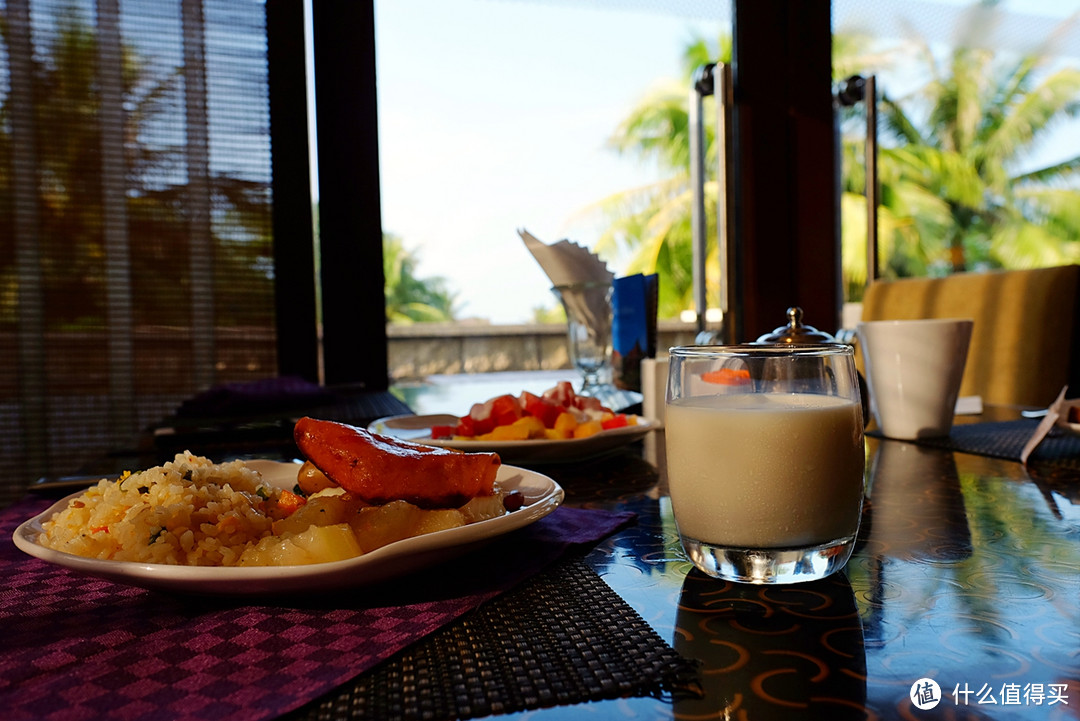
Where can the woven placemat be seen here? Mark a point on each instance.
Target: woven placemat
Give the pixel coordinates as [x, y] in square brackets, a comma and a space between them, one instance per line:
[1006, 439]
[564, 637]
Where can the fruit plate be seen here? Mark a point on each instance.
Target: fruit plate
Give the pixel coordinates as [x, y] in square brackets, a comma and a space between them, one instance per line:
[418, 429]
[542, 495]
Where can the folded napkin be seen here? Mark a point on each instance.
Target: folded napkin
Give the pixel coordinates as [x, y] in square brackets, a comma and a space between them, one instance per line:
[583, 282]
[566, 262]
[79, 647]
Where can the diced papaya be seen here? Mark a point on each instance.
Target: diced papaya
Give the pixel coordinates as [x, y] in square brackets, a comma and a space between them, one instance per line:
[511, 432]
[565, 424]
[532, 425]
[588, 428]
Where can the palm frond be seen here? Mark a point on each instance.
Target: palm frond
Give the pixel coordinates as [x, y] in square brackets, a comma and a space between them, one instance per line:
[1033, 112]
[656, 128]
[1059, 171]
[1026, 245]
[899, 124]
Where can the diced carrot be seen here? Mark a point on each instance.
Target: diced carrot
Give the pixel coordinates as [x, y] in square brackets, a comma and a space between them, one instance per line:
[229, 523]
[289, 502]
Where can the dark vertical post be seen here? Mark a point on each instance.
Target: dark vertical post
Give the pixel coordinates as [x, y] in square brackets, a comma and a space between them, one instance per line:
[30, 365]
[120, 312]
[197, 196]
[786, 221]
[350, 221]
[295, 294]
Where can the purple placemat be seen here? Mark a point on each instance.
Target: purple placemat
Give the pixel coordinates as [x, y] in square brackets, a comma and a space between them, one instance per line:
[81, 648]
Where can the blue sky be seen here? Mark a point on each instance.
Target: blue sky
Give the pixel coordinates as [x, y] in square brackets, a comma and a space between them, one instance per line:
[493, 116]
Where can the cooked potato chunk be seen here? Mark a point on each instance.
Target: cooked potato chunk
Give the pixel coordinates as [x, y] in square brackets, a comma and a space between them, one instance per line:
[377, 526]
[311, 480]
[318, 544]
[329, 543]
[482, 508]
[318, 511]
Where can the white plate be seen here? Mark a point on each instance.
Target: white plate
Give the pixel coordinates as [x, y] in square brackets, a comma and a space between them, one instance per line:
[418, 430]
[542, 496]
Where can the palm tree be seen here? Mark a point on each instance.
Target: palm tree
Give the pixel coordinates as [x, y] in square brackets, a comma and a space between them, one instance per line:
[652, 223]
[410, 299]
[955, 192]
[69, 191]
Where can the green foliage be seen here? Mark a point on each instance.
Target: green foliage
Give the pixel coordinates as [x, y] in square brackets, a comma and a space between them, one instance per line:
[410, 299]
[554, 314]
[955, 193]
[651, 224]
[69, 222]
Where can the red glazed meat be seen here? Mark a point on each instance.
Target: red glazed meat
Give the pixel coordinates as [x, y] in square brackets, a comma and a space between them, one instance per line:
[379, 469]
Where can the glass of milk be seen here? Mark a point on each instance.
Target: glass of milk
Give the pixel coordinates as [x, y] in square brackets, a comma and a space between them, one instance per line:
[765, 459]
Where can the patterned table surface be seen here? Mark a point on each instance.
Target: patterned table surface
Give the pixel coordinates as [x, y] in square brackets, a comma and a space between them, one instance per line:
[966, 574]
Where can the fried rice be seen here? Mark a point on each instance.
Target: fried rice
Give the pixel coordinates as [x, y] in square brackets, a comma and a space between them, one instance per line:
[189, 511]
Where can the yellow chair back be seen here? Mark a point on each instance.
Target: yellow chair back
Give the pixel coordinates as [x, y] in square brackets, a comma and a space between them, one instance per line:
[1024, 343]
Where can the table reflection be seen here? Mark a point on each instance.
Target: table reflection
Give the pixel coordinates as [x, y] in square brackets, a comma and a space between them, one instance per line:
[778, 652]
[967, 571]
[916, 511]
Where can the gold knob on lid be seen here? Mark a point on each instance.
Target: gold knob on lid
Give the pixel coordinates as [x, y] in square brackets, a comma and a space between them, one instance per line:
[795, 332]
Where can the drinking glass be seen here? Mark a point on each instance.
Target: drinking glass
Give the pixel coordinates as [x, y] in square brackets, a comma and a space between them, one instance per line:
[765, 458]
[588, 320]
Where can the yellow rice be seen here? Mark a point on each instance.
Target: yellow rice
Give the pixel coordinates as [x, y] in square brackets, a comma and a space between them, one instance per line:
[189, 511]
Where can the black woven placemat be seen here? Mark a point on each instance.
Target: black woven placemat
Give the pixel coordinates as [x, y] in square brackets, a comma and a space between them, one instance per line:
[1006, 439]
[562, 638]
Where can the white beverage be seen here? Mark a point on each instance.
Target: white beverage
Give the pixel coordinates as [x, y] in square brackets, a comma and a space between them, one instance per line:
[765, 470]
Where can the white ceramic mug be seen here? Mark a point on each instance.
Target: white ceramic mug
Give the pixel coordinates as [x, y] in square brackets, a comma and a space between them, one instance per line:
[914, 369]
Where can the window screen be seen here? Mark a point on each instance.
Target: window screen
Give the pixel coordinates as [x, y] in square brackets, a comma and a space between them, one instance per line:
[135, 212]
